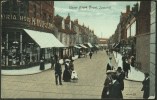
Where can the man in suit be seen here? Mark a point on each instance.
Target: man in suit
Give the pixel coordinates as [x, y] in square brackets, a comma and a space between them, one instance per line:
[115, 89]
[58, 72]
[120, 77]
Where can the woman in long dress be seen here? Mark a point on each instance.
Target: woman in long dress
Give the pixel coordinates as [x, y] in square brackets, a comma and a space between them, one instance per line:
[67, 74]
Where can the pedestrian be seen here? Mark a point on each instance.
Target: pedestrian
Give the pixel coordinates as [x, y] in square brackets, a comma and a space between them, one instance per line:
[146, 87]
[42, 64]
[71, 66]
[90, 54]
[123, 60]
[126, 68]
[67, 74]
[52, 62]
[56, 58]
[58, 72]
[120, 77]
[115, 89]
[109, 65]
[132, 61]
[107, 84]
[107, 51]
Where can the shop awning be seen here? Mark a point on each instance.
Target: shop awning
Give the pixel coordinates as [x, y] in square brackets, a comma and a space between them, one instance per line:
[77, 47]
[82, 45]
[117, 45]
[97, 46]
[44, 39]
[89, 44]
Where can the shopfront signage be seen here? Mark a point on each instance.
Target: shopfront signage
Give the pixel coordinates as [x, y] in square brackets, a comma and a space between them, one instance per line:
[31, 21]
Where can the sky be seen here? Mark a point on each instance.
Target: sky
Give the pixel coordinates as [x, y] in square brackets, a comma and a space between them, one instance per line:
[100, 16]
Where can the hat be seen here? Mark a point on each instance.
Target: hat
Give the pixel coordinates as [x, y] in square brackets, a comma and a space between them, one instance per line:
[147, 74]
[67, 60]
[110, 71]
[119, 69]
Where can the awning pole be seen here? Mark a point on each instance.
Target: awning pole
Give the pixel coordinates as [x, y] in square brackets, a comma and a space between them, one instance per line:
[21, 50]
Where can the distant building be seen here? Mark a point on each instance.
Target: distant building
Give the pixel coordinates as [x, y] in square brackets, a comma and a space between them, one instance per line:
[103, 42]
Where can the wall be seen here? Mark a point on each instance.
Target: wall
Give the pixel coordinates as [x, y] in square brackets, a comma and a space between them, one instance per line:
[152, 48]
[142, 51]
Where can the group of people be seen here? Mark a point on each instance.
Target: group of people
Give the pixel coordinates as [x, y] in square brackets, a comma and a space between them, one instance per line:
[114, 84]
[69, 67]
[126, 65]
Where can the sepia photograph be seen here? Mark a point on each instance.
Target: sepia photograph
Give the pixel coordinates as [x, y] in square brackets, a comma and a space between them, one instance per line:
[78, 49]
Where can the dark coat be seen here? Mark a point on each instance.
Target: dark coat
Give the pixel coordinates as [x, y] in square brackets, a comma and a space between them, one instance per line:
[120, 79]
[58, 68]
[133, 62]
[115, 90]
[126, 66]
[145, 88]
[106, 88]
[52, 60]
[90, 54]
[109, 67]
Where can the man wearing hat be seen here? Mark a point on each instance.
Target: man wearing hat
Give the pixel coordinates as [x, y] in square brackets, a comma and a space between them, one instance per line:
[120, 77]
[107, 84]
[58, 72]
[115, 90]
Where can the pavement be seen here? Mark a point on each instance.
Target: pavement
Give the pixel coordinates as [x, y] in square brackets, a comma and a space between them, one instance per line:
[133, 74]
[32, 70]
[91, 73]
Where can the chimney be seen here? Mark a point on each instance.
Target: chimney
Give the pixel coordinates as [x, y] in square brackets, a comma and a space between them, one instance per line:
[127, 8]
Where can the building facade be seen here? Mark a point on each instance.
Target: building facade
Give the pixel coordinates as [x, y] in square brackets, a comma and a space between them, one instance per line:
[143, 36]
[152, 52]
[19, 48]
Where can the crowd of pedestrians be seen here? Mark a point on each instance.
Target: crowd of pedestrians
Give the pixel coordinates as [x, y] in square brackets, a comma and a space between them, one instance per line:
[114, 82]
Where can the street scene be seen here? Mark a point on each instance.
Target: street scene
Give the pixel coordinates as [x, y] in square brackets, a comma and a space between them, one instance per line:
[91, 73]
[78, 49]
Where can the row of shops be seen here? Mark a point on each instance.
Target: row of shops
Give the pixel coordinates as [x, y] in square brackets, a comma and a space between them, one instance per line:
[27, 47]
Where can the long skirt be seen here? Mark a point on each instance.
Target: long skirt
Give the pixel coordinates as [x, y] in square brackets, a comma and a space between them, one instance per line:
[66, 76]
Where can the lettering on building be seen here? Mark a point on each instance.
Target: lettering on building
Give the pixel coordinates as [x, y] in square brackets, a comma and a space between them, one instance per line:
[31, 21]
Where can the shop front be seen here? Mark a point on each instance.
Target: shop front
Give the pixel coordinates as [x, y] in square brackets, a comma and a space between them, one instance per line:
[23, 48]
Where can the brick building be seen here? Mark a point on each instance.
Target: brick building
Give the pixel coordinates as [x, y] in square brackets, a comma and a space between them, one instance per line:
[143, 36]
[22, 22]
[153, 38]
